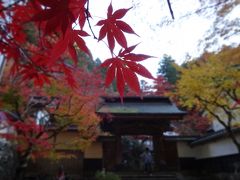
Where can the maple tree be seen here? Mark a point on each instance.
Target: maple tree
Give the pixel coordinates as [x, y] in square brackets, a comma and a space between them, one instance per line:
[59, 29]
[211, 83]
[38, 115]
[40, 42]
[225, 26]
[161, 86]
[193, 124]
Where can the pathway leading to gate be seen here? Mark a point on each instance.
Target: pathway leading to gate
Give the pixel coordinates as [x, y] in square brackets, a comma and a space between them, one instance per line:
[158, 176]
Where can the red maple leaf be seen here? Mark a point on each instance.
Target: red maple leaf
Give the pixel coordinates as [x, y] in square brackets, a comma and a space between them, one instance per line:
[125, 69]
[113, 28]
[61, 14]
[68, 42]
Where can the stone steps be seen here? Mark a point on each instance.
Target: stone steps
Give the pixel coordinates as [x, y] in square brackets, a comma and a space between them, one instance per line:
[161, 176]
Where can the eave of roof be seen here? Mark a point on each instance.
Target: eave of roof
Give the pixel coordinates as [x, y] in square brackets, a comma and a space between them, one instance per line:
[181, 138]
[148, 105]
[213, 136]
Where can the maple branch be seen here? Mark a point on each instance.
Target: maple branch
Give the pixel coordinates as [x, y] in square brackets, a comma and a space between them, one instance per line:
[69, 104]
[168, 22]
[225, 108]
[23, 52]
[79, 109]
[235, 95]
[87, 17]
[38, 68]
[25, 55]
[58, 130]
[211, 6]
[170, 8]
[24, 157]
[232, 93]
[2, 66]
[217, 117]
[17, 111]
[228, 113]
[227, 126]
[213, 102]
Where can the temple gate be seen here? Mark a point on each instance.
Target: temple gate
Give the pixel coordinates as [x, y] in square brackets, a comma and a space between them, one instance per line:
[135, 116]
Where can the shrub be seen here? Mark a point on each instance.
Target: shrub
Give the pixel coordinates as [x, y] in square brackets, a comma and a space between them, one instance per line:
[106, 176]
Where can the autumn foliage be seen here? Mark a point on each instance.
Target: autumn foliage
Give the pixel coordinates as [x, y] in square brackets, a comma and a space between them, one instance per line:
[211, 85]
[46, 87]
[37, 37]
[36, 116]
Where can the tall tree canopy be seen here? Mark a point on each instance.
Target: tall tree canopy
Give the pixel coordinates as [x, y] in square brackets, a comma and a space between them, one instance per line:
[167, 69]
[225, 27]
[212, 83]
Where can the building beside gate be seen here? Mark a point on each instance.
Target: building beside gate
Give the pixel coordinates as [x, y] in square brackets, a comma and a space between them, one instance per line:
[151, 117]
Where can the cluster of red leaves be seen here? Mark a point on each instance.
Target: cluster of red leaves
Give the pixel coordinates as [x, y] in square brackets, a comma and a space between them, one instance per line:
[76, 105]
[124, 67]
[113, 28]
[194, 123]
[162, 86]
[27, 135]
[42, 53]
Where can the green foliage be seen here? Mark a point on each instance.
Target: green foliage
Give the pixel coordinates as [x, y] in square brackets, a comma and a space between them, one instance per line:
[30, 31]
[168, 70]
[10, 99]
[100, 175]
[132, 148]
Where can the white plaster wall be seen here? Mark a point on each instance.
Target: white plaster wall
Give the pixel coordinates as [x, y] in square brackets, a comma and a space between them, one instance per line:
[220, 147]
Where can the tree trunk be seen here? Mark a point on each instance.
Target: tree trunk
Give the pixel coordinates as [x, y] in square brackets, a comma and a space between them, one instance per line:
[20, 172]
[233, 138]
[23, 162]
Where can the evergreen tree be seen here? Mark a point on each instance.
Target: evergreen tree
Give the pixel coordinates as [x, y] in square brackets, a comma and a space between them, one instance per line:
[168, 70]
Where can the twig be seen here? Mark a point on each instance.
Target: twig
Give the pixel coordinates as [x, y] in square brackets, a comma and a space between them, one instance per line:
[170, 8]
[87, 17]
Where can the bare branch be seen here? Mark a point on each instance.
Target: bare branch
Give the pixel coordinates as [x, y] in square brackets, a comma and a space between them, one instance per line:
[170, 8]
[57, 131]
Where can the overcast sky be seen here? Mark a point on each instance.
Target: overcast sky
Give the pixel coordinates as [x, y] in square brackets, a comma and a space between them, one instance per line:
[179, 39]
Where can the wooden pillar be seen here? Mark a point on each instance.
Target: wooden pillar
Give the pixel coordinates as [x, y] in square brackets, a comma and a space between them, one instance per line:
[159, 152]
[118, 149]
[109, 153]
[112, 152]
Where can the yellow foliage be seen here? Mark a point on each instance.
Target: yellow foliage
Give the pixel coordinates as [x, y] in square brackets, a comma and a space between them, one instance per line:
[211, 81]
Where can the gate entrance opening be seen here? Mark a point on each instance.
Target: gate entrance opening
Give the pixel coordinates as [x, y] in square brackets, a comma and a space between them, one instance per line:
[149, 116]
